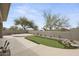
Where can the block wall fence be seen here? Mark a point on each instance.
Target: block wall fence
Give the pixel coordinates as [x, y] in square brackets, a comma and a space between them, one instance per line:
[72, 34]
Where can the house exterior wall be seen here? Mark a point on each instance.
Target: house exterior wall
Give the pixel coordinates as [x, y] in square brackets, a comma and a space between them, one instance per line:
[1, 25]
[4, 8]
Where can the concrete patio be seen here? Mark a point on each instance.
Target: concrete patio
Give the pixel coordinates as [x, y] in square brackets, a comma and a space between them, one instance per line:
[22, 47]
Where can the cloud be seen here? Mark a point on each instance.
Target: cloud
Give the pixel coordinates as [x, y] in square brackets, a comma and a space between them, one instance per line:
[24, 10]
[30, 13]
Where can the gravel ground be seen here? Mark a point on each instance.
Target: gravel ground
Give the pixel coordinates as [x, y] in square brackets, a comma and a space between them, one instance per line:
[22, 47]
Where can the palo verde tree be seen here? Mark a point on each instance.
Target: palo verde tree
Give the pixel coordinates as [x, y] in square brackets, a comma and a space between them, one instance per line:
[62, 23]
[24, 23]
[53, 22]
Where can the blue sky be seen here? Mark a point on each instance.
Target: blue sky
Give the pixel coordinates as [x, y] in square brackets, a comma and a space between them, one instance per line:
[35, 11]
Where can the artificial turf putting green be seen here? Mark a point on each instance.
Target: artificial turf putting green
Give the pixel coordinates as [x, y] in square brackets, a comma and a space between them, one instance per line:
[45, 41]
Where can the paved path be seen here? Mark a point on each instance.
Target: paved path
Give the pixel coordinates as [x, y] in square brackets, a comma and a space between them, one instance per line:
[22, 47]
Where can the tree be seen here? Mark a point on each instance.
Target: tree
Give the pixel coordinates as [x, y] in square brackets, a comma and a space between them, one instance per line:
[62, 23]
[24, 23]
[4, 28]
[50, 21]
[32, 25]
[35, 27]
[13, 28]
[54, 21]
[78, 25]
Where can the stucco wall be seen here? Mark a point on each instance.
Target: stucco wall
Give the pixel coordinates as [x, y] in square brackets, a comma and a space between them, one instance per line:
[73, 34]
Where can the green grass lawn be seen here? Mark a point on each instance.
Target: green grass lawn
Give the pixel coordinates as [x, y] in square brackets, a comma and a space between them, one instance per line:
[45, 41]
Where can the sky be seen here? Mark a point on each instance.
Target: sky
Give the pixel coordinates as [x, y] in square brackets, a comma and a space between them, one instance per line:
[34, 12]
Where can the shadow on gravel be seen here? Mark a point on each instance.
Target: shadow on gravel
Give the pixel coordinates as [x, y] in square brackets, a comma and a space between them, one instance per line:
[26, 52]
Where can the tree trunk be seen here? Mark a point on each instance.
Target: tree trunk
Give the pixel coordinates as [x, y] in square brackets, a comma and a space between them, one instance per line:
[25, 29]
[50, 28]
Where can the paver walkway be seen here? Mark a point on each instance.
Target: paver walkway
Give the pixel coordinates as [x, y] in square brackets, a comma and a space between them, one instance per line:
[22, 47]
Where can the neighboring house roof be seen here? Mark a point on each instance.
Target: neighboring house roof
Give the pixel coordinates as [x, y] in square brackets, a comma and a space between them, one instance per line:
[4, 7]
